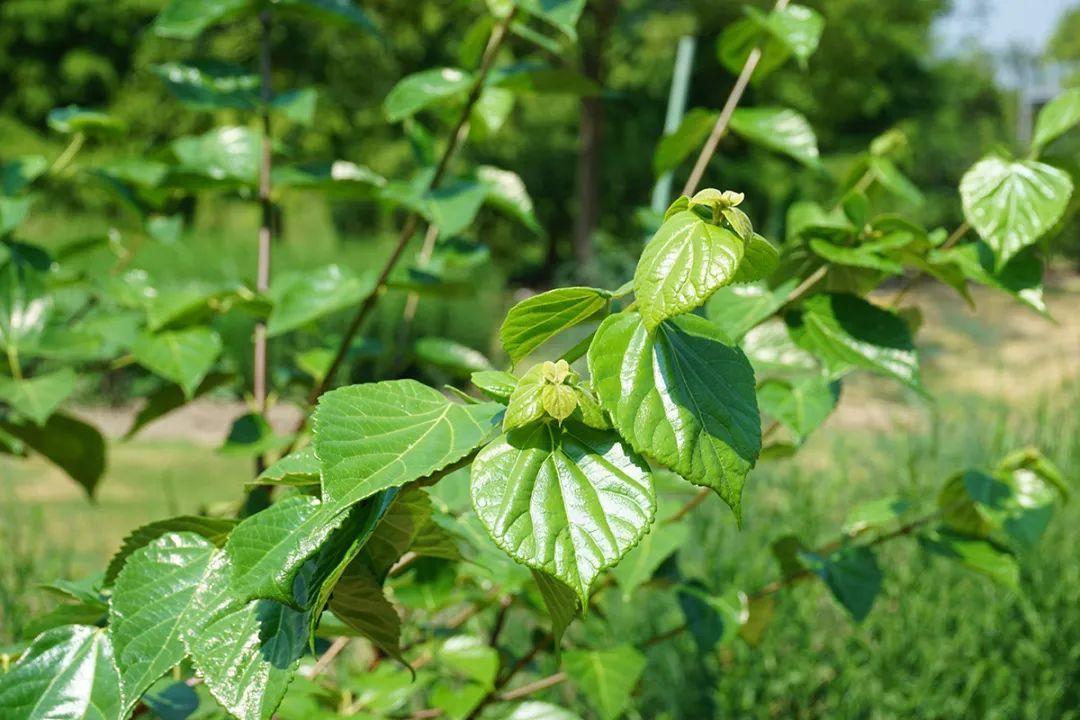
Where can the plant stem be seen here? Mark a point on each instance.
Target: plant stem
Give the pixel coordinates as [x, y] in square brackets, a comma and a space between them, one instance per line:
[262, 277]
[412, 221]
[328, 657]
[64, 159]
[13, 362]
[726, 112]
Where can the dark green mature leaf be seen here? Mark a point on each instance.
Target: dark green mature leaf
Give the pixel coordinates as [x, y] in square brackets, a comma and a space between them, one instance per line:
[380, 435]
[339, 178]
[760, 258]
[1056, 118]
[396, 530]
[340, 12]
[737, 309]
[848, 333]
[216, 530]
[685, 262]
[186, 19]
[72, 445]
[458, 359]
[801, 404]
[606, 677]
[1011, 506]
[74, 119]
[681, 396]
[18, 173]
[183, 356]
[1012, 203]
[170, 397]
[148, 611]
[779, 129]
[853, 576]
[537, 319]
[301, 298]
[67, 672]
[569, 501]
[246, 652]
[662, 541]
[267, 549]
[358, 601]
[25, 304]
[250, 434]
[210, 84]
[175, 701]
[36, 398]
[561, 603]
[496, 384]
[563, 14]
[978, 554]
[1022, 276]
[688, 137]
[534, 77]
[415, 92]
[712, 619]
[298, 468]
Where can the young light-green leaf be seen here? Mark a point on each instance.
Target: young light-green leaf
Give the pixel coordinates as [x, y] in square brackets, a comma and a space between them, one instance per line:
[1056, 118]
[685, 262]
[569, 501]
[415, 92]
[186, 19]
[38, 397]
[606, 677]
[682, 396]
[800, 404]
[779, 129]
[148, 611]
[537, 319]
[1012, 203]
[301, 298]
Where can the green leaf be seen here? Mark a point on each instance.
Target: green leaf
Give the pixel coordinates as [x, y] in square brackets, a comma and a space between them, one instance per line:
[175, 701]
[1021, 277]
[187, 303]
[38, 397]
[245, 652]
[712, 619]
[67, 672]
[685, 262]
[229, 156]
[606, 677]
[496, 384]
[72, 445]
[25, 304]
[302, 297]
[379, 435]
[12, 212]
[151, 600]
[533, 77]
[358, 601]
[186, 19]
[491, 110]
[1012, 203]
[18, 173]
[779, 129]
[183, 356]
[853, 576]
[798, 28]
[889, 177]
[760, 258]
[170, 397]
[506, 192]
[535, 710]
[415, 92]
[875, 515]
[978, 554]
[862, 257]
[216, 530]
[74, 119]
[661, 542]
[801, 404]
[737, 309]
[848, 333]
[681, 396]
[210, 84]
[569, 501]
[251, 435]
[340, 12]
[794, 30]
[537, 319]
[688, 137]
[451, 356]
[1012, 506]
[339, 178]
[563, 14]
[298, 468]
[561, 603]
[1056, 118]
[410, 511]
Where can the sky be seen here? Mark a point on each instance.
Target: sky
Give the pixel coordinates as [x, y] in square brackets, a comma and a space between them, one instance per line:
[998, 24]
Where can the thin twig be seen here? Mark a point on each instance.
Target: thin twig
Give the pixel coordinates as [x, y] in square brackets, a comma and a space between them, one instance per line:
[412, 221]
[266, 204]
[690, 504]
[328, 657]
[537, 686]
[726, 112]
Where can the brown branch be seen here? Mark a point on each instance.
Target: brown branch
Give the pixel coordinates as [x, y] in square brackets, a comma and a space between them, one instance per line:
[328, 657]
[412, 221]
[726, 112]
[262, 275]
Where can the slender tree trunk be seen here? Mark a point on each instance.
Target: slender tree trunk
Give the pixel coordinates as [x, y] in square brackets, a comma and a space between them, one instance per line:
[262, 277]
[591, 131]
